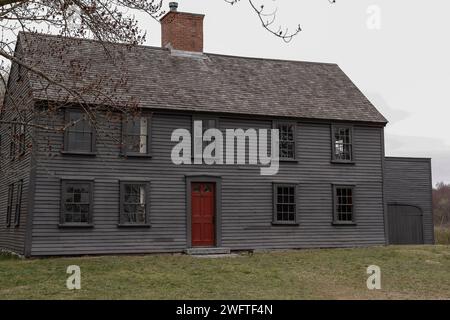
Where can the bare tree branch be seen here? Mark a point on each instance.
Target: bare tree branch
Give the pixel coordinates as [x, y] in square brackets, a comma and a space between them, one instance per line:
[267, 20]
[107, 21]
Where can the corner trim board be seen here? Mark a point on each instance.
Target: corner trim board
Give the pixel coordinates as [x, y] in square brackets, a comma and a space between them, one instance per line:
[30, 200]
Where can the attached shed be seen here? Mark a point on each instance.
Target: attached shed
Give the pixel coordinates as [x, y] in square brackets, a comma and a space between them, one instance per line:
[408, 194]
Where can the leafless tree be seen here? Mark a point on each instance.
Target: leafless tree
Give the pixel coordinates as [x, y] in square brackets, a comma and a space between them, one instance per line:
[108, 22]
[104, 20]
[441, 204]
[268, 19]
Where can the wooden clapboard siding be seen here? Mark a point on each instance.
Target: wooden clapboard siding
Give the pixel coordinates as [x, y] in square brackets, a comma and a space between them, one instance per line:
[408, 182]
[12, 171]
[246, 195]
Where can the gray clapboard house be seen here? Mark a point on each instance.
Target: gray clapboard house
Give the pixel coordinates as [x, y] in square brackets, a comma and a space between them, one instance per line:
[80, 191]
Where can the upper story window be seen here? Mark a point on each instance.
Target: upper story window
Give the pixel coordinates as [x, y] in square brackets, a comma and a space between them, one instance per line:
[76, 202]
[285, 203]
[343, 212]
[136, 135]
[133, 203]
[79, 136]
[342, 143]
[287, 140]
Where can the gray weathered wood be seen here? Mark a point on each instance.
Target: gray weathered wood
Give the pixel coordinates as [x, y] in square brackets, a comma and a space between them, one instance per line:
[408, 182]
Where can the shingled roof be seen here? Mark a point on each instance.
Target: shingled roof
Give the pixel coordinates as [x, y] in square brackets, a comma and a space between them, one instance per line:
[157, 78]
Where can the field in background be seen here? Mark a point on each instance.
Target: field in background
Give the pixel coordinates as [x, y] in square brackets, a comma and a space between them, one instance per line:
[442, 235]
[409, 272]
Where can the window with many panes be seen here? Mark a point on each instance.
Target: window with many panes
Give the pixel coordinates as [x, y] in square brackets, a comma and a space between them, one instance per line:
[133, 203]
[79, 136]
[342, 143]
[18, 204]
[136, 135]
[285, 203]
[344, 204]
[10, 204]
[76, 202]
[286, 140]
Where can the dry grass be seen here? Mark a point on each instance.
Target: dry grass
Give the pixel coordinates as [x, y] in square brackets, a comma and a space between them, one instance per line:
[442, 235]
[408, 272]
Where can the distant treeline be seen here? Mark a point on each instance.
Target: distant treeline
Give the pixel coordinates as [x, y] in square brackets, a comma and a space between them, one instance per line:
[441, 204]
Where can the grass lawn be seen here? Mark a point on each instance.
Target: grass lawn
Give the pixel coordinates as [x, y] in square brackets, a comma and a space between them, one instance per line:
[412, 272]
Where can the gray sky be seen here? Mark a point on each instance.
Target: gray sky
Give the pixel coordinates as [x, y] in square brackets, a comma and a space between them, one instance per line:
[403, 67]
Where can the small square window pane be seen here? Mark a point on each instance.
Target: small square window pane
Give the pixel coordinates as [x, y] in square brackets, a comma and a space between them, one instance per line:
[279, 216]
[127, 208]
[84, 217]
[76, 217]
[291, 216]
[84, 208]
[77, 197]
[279, 198]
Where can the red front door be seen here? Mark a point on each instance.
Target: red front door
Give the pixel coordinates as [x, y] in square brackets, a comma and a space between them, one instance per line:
[203, 210]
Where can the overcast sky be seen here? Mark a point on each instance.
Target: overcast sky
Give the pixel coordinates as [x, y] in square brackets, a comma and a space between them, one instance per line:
[403, 67]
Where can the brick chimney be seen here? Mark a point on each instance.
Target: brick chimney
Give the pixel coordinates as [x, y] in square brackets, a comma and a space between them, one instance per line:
[181, 30]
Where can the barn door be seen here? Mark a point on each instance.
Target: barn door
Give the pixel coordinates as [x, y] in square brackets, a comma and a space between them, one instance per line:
[203, 214]
[405, 224]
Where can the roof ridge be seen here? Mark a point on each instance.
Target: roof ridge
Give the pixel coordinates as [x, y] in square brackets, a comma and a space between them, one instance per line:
[244, 85]
[166, 49]
[271, 59]
[58, 36]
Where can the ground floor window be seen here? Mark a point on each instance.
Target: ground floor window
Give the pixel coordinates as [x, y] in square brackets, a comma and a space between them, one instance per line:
[133, 203]
[285, 203]
[343, 204]
[77, 202]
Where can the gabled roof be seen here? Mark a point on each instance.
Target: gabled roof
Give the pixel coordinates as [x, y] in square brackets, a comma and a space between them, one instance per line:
[158, 78]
